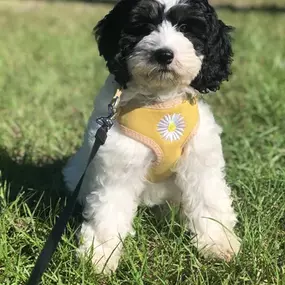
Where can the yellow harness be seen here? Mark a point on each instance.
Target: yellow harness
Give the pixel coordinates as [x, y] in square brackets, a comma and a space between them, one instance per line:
[165, 128]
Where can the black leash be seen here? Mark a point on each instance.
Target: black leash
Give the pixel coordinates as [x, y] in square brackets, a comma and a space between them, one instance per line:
[60, 225]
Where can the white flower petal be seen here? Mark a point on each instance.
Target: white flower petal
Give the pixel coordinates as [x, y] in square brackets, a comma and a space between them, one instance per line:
[163, 127]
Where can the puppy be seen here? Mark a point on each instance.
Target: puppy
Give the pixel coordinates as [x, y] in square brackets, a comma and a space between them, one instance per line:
[163, 146]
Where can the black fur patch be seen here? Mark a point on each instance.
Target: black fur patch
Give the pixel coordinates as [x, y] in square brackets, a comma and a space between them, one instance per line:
[210, 37]
[119, 32]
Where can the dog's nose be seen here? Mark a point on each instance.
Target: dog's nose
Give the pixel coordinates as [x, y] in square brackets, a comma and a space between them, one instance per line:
[163, 56]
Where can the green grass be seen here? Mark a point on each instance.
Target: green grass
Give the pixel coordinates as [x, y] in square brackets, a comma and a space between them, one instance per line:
[49, 74]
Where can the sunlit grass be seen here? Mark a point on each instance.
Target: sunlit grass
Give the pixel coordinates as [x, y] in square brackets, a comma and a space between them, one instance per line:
[50, 72]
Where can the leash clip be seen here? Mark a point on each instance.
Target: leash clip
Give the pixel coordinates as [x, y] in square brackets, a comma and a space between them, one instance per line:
[108, 121]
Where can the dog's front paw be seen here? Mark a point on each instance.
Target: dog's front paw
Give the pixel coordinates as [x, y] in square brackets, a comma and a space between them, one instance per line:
[225, 247]
[103, 263]
[105, 255]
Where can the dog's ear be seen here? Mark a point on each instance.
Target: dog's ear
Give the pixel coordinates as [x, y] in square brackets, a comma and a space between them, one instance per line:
[217, 59]
[108, 33]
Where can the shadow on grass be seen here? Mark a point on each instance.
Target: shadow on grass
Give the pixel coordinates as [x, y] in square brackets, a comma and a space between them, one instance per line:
[34, 181]
[43, 181]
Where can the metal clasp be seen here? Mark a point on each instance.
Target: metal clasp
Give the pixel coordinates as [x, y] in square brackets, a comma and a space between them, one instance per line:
[112, 112]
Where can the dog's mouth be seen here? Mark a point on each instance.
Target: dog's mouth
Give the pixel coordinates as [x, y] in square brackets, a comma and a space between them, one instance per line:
[162, 75]
[158, 70]
[164, 69]
[163, 72]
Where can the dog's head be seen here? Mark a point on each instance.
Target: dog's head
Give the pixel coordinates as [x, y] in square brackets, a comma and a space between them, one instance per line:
[157, 43]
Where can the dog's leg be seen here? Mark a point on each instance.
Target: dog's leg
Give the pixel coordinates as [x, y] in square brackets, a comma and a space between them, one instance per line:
[114, 181]
[206, 200]
[114, 208]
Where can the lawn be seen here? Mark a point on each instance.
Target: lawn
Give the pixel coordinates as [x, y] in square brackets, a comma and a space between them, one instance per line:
[50, 72]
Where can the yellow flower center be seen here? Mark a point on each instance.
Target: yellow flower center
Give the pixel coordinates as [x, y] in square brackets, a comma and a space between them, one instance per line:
[171, 127]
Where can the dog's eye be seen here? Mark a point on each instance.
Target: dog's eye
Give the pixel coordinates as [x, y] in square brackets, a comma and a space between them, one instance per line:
[183, 28]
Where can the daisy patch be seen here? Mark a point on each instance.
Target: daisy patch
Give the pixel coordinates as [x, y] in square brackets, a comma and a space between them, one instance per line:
[171, 127]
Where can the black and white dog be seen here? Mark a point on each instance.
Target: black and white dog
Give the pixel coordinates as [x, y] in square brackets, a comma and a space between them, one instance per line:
[158, 51]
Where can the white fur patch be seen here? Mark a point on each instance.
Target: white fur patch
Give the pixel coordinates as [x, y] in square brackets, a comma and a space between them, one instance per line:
[168, 3]
[183, 69]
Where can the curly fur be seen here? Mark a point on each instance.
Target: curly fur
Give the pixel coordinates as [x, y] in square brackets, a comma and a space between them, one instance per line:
[115, 183]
